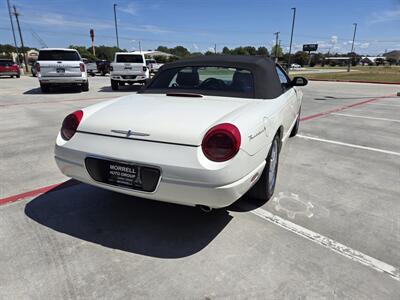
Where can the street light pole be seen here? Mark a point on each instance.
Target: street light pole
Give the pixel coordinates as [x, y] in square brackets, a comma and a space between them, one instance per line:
[116, 25]
[276, 46]
[291, 37]
[352, 46]
[13, 32]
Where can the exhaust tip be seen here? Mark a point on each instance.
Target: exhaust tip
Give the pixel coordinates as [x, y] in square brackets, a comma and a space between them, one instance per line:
[204, 208]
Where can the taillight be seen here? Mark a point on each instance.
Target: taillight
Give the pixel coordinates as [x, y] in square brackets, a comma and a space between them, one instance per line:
[82, 66]
[144, 69]
[37, 66]
[70, 124]
[221, 142]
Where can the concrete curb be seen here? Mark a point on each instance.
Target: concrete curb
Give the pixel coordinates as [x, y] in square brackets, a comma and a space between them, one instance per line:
[354, 81]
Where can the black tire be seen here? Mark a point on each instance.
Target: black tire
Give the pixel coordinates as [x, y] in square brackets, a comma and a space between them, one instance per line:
[18, 76]
[85, 86]
[114, 85]
[295, 129]
[45, 88]
[264, 188]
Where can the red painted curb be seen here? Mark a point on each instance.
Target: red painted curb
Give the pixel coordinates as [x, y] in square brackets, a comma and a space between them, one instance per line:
[354, 81]
[28, 194]
[343, 108]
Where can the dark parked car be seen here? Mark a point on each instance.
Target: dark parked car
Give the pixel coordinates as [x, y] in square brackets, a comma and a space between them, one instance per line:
[9, 68]
[34, 69]
[100, 66]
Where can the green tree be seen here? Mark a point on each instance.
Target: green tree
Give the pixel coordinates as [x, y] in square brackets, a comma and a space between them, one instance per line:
[250, 50]
[226, 51]
[263, 51]
[300, 57]
[278, 52]
[83, 52]
[180, 51]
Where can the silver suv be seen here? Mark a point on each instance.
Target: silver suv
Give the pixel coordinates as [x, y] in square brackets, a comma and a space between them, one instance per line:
[58, 66]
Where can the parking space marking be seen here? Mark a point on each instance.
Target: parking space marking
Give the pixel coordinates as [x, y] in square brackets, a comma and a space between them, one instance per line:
[348, 145]
[365, 117]
[331, 244]
[321, 114]
[35, 192]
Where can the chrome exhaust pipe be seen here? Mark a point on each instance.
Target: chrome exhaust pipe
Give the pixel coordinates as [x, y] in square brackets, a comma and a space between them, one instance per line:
[205, 208]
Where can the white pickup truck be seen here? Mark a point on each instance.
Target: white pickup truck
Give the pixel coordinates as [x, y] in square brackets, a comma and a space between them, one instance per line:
[128, 67]
[153, 65]
[61, 67]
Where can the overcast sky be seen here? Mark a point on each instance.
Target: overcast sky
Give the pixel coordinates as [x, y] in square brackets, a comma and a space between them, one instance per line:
[198, 25]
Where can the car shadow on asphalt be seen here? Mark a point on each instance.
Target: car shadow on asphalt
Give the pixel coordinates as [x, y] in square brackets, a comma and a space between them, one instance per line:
[126, 223]
[125, 88]
[57, 90]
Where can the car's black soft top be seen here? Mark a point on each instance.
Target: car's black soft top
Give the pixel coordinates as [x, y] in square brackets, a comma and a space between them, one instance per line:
[266, 80]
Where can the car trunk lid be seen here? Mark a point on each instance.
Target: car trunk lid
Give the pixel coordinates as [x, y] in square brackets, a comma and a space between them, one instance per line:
[162, 118]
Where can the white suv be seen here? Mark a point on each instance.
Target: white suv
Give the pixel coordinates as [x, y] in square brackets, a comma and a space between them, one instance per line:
[128, 67]
[58, 66]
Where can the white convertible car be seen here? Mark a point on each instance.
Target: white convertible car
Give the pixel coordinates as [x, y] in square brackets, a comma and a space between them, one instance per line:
[203, 132]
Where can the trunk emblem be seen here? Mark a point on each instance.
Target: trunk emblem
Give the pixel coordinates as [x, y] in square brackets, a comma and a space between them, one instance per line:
[129, 132]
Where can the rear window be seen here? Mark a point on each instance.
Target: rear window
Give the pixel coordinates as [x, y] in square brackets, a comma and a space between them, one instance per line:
[58, 55]
[5, 63]
[129, 58]
[217, 81]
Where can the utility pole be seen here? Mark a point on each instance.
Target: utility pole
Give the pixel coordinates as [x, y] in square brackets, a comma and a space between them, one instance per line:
[215, 48]
[291, 37]
[116, 26]
[276, 46]
[20, 36]
[13, 32]
[140, 47]
[352, 47]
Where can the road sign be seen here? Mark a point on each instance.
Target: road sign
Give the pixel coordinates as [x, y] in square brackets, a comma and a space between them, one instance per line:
[310, 47]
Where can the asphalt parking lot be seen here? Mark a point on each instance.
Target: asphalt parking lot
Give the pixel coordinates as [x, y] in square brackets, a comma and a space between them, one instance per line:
[331, 231]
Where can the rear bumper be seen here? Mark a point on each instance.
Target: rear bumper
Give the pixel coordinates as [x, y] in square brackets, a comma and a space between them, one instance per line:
[9, 73]
[63, 80]
[183, 179]
[125, 77]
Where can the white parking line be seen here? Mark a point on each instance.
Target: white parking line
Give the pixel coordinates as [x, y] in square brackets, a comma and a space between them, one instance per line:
[365, 117]
[330, 244]
[348, 145]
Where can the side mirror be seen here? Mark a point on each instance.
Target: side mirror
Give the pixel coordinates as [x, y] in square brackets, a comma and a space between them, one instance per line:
[299, 81]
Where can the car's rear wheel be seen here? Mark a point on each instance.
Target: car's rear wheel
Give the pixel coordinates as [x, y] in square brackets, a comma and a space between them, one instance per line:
[114, 85]
[18, 76]
[44, 87]
[295, 129]
[265, 186]
[85, 86]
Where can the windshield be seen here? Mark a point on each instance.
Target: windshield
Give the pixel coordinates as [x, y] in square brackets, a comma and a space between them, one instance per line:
[129, 58]
[58, 55]
[218, 81]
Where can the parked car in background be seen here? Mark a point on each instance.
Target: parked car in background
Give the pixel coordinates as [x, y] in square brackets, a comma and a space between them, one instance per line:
[203, 132]
[9, 68]
[128, 67]
[295, 66]
[153, 65]
[33, 69]
[61, 67]
[99, 67]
